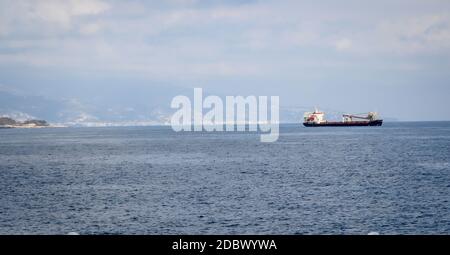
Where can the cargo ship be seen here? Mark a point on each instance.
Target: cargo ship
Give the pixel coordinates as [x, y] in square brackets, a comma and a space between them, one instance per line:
[317, 119]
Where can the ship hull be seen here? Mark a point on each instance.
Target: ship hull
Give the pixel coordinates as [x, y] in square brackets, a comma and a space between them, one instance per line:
[345, 124]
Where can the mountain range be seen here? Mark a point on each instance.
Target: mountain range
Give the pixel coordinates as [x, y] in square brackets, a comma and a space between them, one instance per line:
[139, 106]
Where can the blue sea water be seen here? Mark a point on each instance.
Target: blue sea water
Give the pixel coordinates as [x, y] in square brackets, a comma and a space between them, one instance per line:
[393, 179]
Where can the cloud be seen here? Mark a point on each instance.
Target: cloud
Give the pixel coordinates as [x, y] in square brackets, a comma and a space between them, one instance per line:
[343, 44]
[62, 12]
[428, 33]
[91, 28]
[219, 38]
[47, 16]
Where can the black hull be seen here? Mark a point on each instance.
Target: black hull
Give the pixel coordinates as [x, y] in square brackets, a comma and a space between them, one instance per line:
[346, 124]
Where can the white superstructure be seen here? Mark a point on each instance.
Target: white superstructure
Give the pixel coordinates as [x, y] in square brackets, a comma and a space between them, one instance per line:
[316, 117]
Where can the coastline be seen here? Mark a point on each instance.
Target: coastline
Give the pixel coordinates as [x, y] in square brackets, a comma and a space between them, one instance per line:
[29, 126]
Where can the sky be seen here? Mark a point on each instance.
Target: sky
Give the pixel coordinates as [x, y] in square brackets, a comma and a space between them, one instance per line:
[351, 56]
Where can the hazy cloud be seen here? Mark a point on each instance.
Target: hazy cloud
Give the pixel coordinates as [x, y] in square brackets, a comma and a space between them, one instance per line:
[202, 39]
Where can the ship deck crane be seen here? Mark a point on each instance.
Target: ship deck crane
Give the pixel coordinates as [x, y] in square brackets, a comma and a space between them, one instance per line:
[369, 116]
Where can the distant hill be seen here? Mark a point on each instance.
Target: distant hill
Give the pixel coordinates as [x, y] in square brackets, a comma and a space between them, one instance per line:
[5, 121]
[137, 106]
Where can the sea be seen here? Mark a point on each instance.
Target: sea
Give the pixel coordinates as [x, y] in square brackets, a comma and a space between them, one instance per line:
[393, 179]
